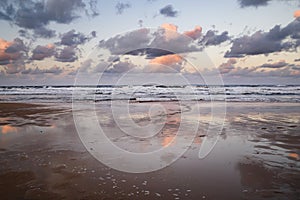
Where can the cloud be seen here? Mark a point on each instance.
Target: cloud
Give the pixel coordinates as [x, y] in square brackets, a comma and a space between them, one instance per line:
[258, 43]
[14, 68]
[170, 31]
[111, 66]
[120, 67]
[150, 52]
[16, 46]
[163, 41]
[67, 54]
[277, 69]
[168, 11]
[195, 34]
[212, 38]
[167, 60]
[276, 65]
[24, 33]
[228, 66]
[53, 70]
[170, 27]
[169, 40]
[120, 7]
[275, 40]
[295, 67]
[140, 23]
[166, 40]
[12, 55]
[254, 3]
[297, 14]
[44, 32]
[157, 68]
[73, 38]
[94, 34]
[165, 64]
[86, 65]
[42, 52]
[11, 51]
[4, 57]
[133, 40]
[101, 67]
[39, 13]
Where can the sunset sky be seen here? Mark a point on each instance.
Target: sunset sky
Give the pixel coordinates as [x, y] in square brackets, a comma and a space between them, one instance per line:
[246, 41]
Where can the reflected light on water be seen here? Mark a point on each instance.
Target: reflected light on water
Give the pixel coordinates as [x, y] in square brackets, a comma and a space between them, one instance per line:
[294, 155]
[8, 129]
[168, 140]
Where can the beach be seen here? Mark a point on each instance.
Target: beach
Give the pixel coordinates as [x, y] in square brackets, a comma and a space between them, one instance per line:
[256, 155]
[171, 100]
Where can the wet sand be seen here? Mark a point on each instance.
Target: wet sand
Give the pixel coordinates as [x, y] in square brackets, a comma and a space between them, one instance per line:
[256, 157]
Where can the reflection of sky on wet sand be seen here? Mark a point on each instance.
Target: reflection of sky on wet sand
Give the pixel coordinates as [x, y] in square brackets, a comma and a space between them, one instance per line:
[294, 155]
[255, 148]
[168, 140]
[8, 129]
[273, 133]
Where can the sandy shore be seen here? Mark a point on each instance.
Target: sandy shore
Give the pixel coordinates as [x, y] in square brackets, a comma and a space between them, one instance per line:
[256, 157]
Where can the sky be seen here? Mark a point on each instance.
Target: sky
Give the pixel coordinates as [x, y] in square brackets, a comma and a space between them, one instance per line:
[58, 42]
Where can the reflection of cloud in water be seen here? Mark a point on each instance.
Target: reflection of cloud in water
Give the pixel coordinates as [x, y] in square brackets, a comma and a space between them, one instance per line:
[259, 181]
[272, 171]
[294, 155]
[197, 140]
[8, 129]
[168, 140]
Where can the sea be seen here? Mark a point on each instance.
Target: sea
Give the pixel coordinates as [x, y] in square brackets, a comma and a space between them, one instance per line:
[149, 93]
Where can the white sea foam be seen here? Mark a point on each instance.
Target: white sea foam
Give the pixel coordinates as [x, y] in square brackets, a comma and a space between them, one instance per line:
[272, 93]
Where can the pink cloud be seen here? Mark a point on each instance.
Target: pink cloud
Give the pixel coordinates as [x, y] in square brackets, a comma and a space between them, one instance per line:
[4, 56]
[297, 14]
[195, 34]
[167, 60]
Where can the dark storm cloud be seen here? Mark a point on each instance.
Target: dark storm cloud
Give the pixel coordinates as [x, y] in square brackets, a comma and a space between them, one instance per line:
[143, 42]
[150, 52]
[120, 7]
[73, 38]
[168, 11]
[133, 40]
[276, 65]
[44, 32]
[16, 47]
[42, 52]
[254, 3]
[34, 14]
[67, 54]
[11, 52]
[275, 40]
[212, 38]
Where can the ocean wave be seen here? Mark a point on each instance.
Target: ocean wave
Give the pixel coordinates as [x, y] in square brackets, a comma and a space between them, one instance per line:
[146, 93]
